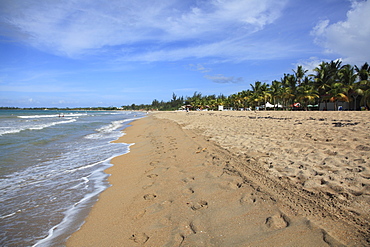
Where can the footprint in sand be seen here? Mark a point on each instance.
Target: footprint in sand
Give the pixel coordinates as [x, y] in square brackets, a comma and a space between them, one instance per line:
[199, 205]
[178, 239]
[154, 163]
[188, 191]
[193, 228]
[278, 221]
[247, 199]
[148, 185]
[150, 197]
[140, 214]
[187, 180]
[152, 175]
[140, 238]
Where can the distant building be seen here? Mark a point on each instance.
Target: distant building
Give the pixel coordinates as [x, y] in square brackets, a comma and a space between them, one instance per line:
[331, 106]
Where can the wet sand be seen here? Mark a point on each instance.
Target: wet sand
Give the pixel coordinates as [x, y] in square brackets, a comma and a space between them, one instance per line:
[237, 179]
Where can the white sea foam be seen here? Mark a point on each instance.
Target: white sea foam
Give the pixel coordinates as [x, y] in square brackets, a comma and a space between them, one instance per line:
[39, 116]
[84, 182]
[66, 226]
[9, 130]
[108, 129]
[13, 130]
[55, 115]
[83, 167]
[114, 125]
[8, 215]
[43, 126]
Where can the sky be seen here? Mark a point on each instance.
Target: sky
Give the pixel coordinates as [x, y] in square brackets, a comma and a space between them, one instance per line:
[82, 53]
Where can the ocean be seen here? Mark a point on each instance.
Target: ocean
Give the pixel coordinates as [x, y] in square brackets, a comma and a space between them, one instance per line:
[52, 170]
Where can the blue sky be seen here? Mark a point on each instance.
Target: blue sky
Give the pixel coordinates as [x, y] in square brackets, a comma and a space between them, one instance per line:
[111, 53]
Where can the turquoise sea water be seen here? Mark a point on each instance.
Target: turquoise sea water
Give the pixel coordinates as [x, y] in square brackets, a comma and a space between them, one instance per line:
[51, 170]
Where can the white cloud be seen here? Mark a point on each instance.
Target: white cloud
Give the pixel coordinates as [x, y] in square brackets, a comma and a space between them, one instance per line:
[349, 38]
[224, 79]
[77, 27]
[228, 50]
[199, 67]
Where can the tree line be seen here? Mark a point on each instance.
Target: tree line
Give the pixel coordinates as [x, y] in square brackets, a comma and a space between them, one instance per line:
[330, 82]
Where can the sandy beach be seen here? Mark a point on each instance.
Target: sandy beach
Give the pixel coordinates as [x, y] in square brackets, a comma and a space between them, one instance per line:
[237, 179]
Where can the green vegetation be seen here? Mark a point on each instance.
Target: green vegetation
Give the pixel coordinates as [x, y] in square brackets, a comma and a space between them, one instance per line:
[330, 82]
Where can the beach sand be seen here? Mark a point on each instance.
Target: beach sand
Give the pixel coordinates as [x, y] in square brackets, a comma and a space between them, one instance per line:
[237, 179]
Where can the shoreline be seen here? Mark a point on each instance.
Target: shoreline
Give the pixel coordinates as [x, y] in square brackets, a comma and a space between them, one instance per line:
[52, 174]
[203, 177]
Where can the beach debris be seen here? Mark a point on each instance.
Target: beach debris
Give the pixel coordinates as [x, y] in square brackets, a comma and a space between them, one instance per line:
[341, 124]
[269, 117]
[202, 150]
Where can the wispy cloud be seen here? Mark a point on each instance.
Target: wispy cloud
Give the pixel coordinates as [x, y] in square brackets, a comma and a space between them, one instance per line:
[199, 67]
[228, 50]
[224, 79]
[74, 28]
[349, 38]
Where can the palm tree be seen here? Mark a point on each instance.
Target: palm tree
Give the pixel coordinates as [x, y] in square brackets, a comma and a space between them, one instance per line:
[363, 72]
[246, 98]
[256, 93]
[334, 66]
[299, 73]
[363, 90]
[265, 92]
[306, 93]
[347, 77]
[196, 100]
[221, 100]
[338, 93]
[289, 83]
[326, 75]
[276, 92]
[235, 100]
[365, 101]
[259, 93]
[363, 85]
